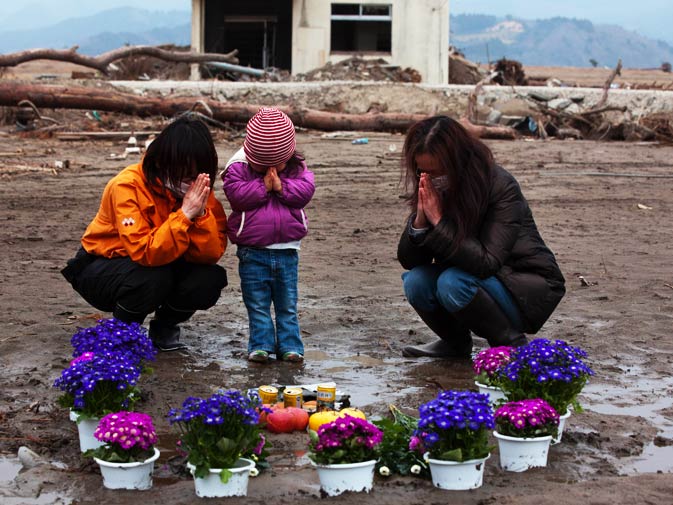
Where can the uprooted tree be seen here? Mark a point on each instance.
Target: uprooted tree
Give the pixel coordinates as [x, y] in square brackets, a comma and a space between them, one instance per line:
[71, 97]
[103, 61]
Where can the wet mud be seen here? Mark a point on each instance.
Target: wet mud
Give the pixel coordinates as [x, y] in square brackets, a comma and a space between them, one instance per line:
[355, 321]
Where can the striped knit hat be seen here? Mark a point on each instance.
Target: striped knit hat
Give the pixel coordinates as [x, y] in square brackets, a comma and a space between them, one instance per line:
[269, 138]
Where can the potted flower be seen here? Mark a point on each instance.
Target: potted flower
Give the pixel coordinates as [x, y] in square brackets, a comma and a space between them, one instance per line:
[453, 429]
[127, 457]
[524, 430]
[216, 432]
[344, 452]
[486, 364]
[94, 385]
[114, 336]
[395, 455]
[548, 369]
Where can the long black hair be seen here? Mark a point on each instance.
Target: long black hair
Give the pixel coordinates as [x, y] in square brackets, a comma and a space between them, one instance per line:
[181, 151]
[465, 159]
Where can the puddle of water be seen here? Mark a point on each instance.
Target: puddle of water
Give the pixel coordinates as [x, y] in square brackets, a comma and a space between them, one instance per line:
[644, 397]
[367, 380]
[43, 499]
[653, 459]
[9, 468]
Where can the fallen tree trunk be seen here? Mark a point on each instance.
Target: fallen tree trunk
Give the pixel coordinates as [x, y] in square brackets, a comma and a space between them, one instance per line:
[103, 61]
[78, 97]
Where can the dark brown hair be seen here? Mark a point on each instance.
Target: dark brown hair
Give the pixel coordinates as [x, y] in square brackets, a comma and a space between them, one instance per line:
[181, 151]
[467, 162]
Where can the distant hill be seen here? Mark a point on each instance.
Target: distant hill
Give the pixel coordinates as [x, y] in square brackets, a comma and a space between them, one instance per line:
[554, 42]
[104, 31]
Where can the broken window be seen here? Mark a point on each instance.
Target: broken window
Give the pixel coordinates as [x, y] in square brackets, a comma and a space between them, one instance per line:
[361, 28]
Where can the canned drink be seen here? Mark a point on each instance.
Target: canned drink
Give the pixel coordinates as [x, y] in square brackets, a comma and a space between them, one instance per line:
[268, 394]
[326, 396]
[293, 397]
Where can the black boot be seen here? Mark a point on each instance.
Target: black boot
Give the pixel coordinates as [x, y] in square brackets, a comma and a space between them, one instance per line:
[164, 329]
[486, 319]
[165, 337]
[454, 339]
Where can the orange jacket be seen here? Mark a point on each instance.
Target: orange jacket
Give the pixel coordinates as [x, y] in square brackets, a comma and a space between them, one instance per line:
[151, 229]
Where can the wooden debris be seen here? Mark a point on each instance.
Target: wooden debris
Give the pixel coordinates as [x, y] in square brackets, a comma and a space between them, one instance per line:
[102, 62]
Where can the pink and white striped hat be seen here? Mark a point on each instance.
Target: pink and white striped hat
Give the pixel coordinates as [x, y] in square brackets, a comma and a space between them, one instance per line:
[269, 138]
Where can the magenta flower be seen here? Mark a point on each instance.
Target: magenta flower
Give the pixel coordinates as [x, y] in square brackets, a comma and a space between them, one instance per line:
[127, 430]
[488, 361]
[526, 419]
[346, 440]
[87, 356]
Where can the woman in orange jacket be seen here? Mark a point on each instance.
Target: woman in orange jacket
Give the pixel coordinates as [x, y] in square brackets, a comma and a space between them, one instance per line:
[156, 239]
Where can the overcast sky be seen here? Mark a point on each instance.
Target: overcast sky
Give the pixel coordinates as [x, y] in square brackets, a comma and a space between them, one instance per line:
[652, 18]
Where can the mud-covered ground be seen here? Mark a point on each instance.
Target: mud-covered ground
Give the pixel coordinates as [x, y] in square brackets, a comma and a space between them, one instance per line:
[605, 209]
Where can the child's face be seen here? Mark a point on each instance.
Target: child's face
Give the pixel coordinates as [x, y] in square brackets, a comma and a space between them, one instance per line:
[261, 169]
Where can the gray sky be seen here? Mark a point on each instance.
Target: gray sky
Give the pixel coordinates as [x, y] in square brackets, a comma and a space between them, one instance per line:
[651, 18]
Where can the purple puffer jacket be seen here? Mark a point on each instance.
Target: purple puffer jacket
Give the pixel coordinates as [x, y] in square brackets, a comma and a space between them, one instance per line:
[259, 218]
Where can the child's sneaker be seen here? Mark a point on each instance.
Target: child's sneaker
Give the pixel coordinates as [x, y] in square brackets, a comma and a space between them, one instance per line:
[258, 356]
[293, 357]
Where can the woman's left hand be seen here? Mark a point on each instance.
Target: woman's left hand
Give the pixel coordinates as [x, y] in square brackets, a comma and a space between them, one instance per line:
[432, 205]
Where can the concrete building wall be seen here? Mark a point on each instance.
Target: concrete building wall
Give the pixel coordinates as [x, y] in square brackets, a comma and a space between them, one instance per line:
[420, 36]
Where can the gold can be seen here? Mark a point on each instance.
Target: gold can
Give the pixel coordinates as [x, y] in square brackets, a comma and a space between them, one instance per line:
[268, 394]
[326, 396]
[293, 397]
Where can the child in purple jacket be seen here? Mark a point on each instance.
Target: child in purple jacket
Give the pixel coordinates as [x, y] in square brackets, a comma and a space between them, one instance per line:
[268, 186]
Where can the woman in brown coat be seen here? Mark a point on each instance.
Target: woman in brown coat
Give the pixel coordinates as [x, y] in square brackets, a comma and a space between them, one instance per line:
[475, 259]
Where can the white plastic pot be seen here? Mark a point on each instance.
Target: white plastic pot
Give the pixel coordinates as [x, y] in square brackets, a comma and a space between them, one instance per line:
[457, 476]
[561, 426]
[85, 428]
[520, 454]
[128, 475]
[495, 394]
[336, 479]
[212, 487]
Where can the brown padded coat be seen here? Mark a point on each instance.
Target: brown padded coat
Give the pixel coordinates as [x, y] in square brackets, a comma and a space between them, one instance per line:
[151, 228]
[507, 245]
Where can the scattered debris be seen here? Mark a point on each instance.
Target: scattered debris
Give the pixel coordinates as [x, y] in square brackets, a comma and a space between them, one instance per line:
[360, 69]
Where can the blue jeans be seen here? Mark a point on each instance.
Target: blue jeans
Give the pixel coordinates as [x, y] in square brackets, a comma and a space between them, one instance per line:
[271, 276]
[429, 286]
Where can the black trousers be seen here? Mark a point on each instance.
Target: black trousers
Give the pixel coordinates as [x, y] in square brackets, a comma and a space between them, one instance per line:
[132, 291]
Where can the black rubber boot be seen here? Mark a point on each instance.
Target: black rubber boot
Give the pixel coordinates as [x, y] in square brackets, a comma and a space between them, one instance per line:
[164, 329]
[486, 319]
[165, 337]
[454, 339]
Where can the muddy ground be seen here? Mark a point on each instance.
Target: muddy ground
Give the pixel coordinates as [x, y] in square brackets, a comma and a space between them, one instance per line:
[585, 197]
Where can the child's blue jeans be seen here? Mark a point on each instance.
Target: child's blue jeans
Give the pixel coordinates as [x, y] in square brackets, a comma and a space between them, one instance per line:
[271, 276]
[430, 286]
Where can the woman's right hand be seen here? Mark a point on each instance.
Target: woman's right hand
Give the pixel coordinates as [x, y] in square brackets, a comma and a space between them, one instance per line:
[194, 201]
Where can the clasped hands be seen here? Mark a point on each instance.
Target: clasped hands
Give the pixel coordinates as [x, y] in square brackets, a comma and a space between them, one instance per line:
[196, 197]
[272, 181]
[429, 208]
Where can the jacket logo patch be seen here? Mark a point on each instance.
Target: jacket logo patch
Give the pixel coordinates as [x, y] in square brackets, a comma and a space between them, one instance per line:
[128, 221]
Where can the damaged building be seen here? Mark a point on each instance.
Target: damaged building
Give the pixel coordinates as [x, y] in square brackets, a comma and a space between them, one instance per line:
[300, 35]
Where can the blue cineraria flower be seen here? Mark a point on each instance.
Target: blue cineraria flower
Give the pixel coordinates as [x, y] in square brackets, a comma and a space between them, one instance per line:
[551, 370]
[99, 385]
[454, 426]
[217, 430]
[114, 336]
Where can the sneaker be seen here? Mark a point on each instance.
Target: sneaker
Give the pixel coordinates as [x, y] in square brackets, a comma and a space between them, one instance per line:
[258, 356]
[293, 357]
